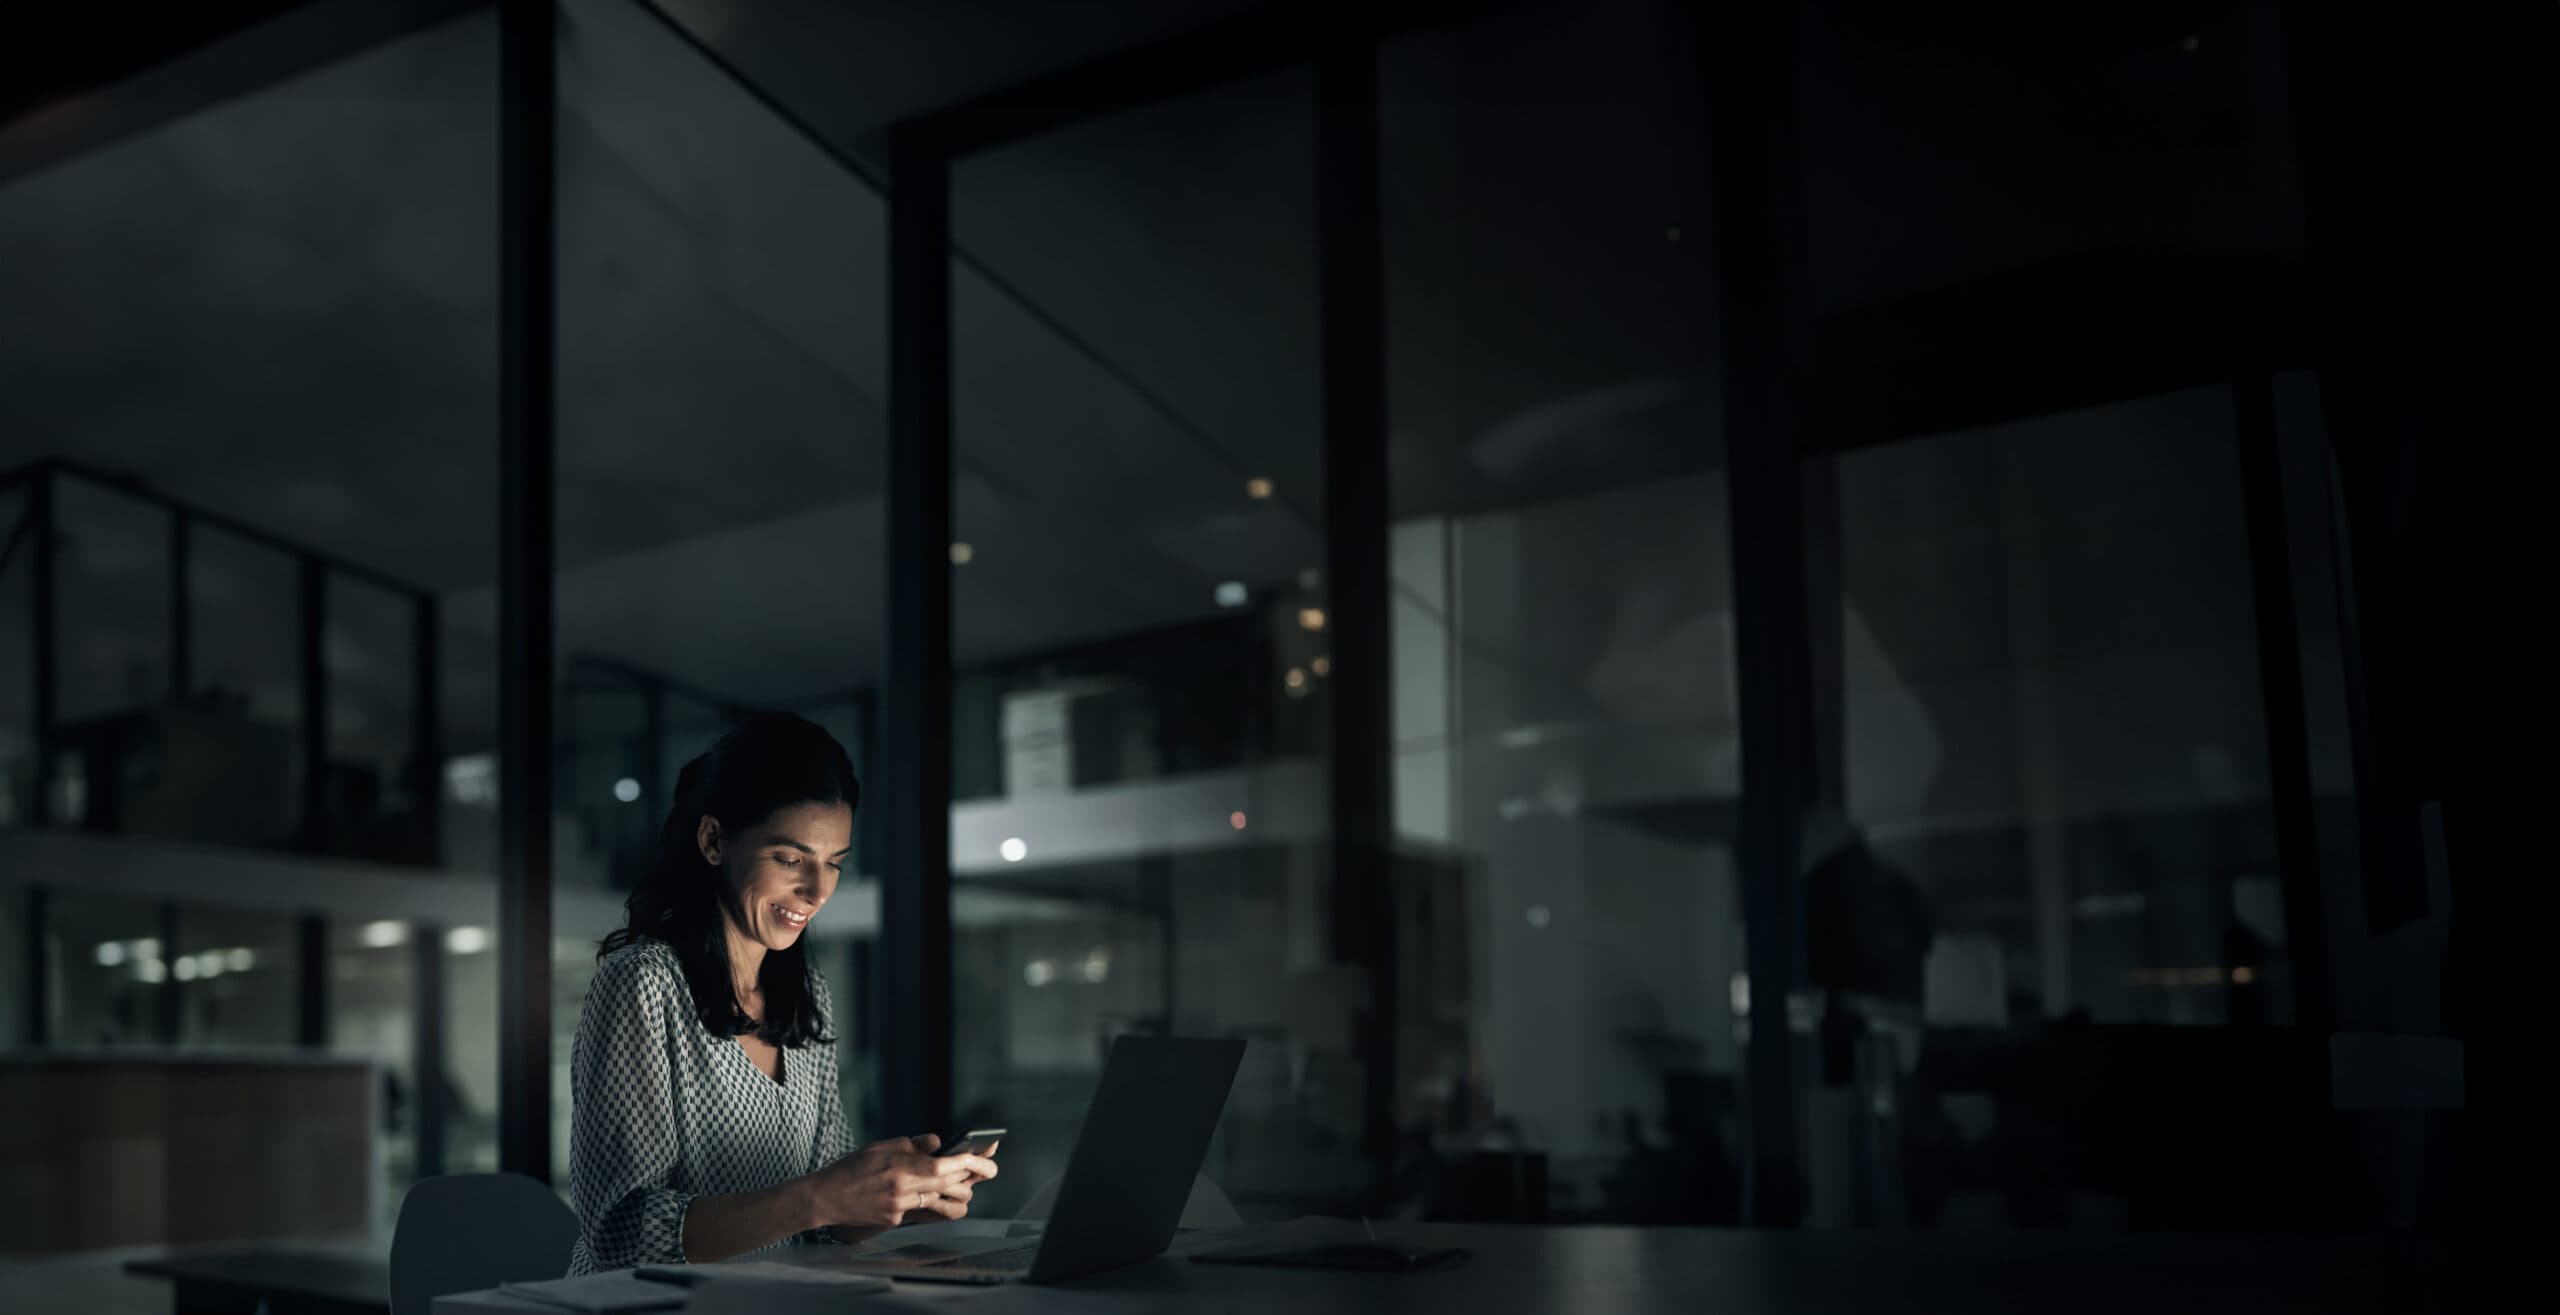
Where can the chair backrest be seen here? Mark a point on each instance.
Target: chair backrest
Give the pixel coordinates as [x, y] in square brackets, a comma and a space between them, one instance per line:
[464, 1231]
[1207, 1207]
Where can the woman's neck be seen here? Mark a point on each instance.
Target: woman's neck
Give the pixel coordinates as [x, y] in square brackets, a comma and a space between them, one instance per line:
[746, 960]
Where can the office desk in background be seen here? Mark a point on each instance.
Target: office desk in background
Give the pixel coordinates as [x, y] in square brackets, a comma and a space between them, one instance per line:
[1692, 1271]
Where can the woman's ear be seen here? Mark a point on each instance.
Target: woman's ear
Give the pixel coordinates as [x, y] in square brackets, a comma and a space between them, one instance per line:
[706, 837]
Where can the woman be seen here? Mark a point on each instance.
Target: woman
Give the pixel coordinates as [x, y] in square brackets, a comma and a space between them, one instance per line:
[705, 1121]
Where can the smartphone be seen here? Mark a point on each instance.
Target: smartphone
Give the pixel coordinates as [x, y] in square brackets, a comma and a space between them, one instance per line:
[976, 1141]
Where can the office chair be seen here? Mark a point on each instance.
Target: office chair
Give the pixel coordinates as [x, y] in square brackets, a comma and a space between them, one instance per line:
[464, 1231]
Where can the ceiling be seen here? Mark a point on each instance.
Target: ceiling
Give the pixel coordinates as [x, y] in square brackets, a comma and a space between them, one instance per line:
[284, 307]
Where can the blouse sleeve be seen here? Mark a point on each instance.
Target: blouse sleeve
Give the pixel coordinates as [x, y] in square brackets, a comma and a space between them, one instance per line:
[622, 1137]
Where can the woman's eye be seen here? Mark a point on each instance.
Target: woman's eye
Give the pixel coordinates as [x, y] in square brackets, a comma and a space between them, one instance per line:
[787, 860]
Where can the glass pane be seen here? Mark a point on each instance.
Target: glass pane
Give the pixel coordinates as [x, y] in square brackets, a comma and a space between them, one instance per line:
[237, 977]
[274, 311]
[2054, 763]
[107, 969]
[244, 695]
[1566, 754]
[1139, 841]
[20, 795]
[372, 1012]
[370, 650]
[721, 530]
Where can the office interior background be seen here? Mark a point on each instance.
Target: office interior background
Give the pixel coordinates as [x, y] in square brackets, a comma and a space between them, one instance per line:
[1791, 616]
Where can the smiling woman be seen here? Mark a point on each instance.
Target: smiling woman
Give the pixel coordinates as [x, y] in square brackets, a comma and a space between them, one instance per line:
[705, 1119]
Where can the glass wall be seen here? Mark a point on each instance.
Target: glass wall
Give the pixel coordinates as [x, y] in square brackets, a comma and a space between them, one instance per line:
[720, 529]
[1567, 767]
[2044, 915]
[1139, 634]
[254, 368]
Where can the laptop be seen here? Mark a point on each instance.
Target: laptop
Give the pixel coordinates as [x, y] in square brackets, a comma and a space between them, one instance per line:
[1144, 1137]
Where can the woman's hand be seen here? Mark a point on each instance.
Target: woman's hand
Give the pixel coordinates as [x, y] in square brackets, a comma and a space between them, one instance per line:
[896, 1181]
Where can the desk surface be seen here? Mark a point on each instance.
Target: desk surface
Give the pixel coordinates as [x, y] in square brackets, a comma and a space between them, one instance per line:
[317, 1280]
[1638, 1271]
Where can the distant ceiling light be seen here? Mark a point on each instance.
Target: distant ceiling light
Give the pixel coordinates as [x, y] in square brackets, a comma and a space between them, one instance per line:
[187, 968]
[1236, 820]
[466, 940]
[1296, 679]
[627, 790]
[1039, 972]
[961, 553]
[1311, 618]
[152, 971]
[1310, 578]
[240, 959]
[1014, 850]
[1323, 666]
[110, 953]
[383, 935]
[1257, 488]
[1540, 915]
[1097, 966]
[1231, 594]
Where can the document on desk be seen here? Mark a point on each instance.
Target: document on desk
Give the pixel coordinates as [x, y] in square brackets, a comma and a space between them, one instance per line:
[611, 1293]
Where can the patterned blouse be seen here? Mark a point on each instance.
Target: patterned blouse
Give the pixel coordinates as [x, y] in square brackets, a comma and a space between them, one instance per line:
[662, 1112]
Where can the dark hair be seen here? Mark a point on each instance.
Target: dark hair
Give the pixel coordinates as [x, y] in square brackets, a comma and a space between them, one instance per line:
[769, 762]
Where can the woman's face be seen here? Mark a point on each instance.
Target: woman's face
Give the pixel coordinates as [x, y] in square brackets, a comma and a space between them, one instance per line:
[782, 870]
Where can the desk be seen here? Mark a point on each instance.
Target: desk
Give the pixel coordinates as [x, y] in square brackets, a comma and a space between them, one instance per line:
[1695, 1271]
[291, 1283]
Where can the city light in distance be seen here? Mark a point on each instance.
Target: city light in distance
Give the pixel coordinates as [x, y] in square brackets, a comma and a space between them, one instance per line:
[1013, 850]
[384, 934]
[467, 940]
[1296, 679]
[962, 554]
[1257, 488]
[627, 790]
[1323, 665]
[1231, 594]
[1311, 618]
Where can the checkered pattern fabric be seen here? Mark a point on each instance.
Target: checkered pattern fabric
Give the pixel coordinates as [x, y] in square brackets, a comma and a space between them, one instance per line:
[663, 1112]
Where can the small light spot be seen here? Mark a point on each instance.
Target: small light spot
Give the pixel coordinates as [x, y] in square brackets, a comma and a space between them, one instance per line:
[187, 968]
[1097, 966]
[152, 971]
[1014, 850]
[1039, 972]
[240, 959]
[110, 953]
[2192, 44]
[1674, 233]
[1323, 665]
[1310, 577]
[1540, 915]
[1311, 618]
[961, 553]
[1296, 679]
[627, 790]
[2243, 975]
[1257, 488]
[1236, 820]
[1231, 594]
[383, 935]
[466, 940]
